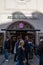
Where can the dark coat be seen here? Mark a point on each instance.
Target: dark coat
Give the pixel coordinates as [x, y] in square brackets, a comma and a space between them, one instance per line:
[7, 44]
[27, 48]
[40, 52]
[21, 54]
[17, 44]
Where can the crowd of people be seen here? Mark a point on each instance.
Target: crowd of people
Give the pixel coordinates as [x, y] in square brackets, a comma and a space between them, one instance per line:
[23, 50]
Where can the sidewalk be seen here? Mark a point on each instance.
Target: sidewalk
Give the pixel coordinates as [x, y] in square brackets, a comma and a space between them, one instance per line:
[11, 61]
[34, 61]
[1, 59]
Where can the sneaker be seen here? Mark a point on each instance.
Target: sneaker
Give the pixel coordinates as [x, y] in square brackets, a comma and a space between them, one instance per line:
[7, 60]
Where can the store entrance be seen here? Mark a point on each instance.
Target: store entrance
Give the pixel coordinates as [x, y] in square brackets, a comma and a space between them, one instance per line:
[15, 34]
[20, 28]
[22, 35]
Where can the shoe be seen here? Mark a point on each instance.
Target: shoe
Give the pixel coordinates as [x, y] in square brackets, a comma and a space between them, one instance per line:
[6, 60]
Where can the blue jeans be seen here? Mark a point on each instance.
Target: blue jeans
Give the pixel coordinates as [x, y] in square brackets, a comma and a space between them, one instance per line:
[6, 54]
[17, 63]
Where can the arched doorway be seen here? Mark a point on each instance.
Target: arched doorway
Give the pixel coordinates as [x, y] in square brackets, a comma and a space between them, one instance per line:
[21, 28]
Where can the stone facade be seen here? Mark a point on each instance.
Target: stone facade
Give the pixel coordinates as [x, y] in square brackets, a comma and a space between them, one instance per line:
[32, 9]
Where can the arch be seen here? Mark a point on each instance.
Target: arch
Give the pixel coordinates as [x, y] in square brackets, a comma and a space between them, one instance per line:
[16, 23]
[17, 31]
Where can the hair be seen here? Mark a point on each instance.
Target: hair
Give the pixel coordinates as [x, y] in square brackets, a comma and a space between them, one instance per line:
[21, 41]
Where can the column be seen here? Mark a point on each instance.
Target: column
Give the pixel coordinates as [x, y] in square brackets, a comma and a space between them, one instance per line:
[37, 38]
[4, 39]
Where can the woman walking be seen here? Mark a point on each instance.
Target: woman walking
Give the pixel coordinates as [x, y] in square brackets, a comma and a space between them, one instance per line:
[21, 53]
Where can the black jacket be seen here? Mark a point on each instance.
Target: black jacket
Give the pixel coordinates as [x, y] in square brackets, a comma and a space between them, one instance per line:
[21, 54]
[7, 44]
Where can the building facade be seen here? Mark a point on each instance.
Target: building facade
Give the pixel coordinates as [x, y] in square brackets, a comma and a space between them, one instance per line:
[29, 11]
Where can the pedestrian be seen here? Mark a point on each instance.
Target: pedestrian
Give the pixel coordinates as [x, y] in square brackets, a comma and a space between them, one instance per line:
[31, 45]
[27, 49]
[15, 52]
[21, 53]
[16, 47]
[13, 44]
[40, 52]
[6, 49]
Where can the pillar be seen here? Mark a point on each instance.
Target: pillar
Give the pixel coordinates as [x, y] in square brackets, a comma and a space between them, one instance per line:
[37, 38]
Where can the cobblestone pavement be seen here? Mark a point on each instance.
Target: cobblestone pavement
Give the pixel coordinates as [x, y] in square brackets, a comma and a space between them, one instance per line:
[34, 61]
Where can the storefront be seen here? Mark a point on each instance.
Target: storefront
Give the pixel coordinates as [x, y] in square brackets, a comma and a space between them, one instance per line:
[21, 28]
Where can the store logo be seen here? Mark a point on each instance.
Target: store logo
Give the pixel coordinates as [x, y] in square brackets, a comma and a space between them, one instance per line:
[21, 25]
